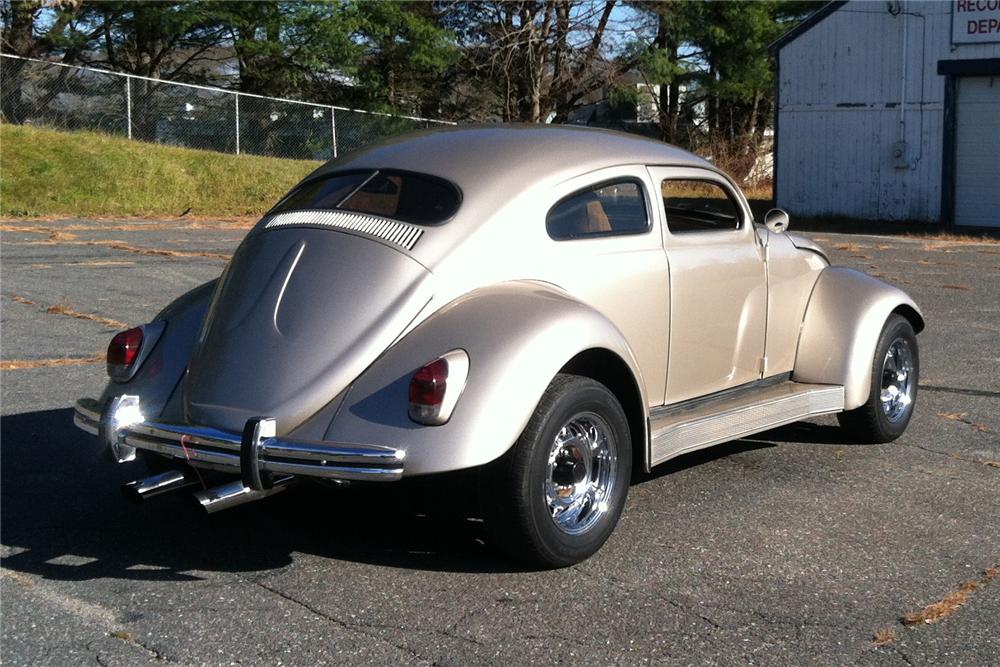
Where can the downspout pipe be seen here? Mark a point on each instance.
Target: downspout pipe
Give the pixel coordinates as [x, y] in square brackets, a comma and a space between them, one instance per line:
[902, 86]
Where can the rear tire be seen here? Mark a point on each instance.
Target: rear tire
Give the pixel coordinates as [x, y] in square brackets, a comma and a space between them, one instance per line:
[556, 496]
[894, 377]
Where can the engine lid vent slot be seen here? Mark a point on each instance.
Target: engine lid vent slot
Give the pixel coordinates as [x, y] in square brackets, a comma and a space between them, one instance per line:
[398, 233]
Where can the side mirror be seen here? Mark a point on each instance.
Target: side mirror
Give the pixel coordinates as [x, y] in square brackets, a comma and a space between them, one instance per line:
[776, 220]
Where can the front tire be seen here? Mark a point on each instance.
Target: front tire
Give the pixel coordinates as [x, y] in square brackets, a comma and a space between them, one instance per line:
[556, 496]
[894, 377]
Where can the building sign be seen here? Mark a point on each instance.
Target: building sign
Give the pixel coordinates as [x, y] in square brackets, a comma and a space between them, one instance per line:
[975, 21]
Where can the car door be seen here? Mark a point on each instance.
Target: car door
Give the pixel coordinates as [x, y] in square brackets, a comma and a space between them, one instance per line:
[718, 285]
[605, 248]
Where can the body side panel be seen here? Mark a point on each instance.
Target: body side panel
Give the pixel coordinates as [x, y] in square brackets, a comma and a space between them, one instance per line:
[622, 277]
[518, 336]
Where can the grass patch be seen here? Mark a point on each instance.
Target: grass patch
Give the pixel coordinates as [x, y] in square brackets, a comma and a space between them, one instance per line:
[86, 174]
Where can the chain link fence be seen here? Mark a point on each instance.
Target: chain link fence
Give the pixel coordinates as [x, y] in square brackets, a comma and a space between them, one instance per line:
[36, 92]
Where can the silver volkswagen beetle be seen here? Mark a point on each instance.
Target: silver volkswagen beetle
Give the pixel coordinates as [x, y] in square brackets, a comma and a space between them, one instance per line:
[553, 306]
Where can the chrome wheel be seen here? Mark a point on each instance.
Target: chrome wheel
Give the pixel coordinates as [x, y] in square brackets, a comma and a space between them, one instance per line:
[581, 474]
[896, 394]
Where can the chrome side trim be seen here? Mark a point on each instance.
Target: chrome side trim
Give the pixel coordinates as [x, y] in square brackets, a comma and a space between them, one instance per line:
[682, 432]
[751, 391]
[398, 233]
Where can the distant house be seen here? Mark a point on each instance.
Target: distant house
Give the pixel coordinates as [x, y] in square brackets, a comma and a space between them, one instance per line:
[642, 117]
[891, 111]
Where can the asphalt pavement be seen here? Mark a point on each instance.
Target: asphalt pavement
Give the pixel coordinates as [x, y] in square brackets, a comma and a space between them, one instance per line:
[789, 548]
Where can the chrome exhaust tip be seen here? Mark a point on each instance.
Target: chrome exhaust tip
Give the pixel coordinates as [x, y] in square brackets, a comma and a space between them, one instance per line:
[235, 493]
[142, 489]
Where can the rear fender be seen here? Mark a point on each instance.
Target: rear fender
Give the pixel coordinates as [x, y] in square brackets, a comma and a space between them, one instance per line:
[518, 336]
[842, 324]
[159, 374]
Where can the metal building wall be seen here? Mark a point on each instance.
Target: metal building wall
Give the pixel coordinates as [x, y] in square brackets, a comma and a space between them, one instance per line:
[839, 89]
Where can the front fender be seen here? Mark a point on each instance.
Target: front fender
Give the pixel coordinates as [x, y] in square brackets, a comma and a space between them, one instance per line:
[518, 335]
[841, 327]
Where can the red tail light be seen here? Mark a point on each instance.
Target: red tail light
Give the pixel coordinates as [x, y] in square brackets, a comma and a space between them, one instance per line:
[129, 349]
[435, 388]
[124, 348]
[429, 383]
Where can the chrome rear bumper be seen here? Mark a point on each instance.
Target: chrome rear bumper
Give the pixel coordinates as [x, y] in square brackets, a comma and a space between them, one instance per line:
[255, 455]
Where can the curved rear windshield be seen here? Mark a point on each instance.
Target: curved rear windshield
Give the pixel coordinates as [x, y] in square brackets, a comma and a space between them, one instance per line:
[401, 195]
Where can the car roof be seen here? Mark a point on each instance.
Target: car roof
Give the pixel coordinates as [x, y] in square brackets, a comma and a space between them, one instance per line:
[501, 166]
[512, 157]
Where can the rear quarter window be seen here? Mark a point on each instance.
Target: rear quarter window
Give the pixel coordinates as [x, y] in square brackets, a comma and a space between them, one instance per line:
[401, 195]
[610, 209]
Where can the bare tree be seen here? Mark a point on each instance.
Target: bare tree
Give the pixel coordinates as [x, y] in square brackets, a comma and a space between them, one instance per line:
[539, 58]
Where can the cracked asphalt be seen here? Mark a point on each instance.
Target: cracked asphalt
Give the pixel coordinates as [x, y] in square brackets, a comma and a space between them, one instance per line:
[790, 548]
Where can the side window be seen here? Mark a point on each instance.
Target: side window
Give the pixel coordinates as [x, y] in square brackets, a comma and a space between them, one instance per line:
[608, 209]
[698, 206]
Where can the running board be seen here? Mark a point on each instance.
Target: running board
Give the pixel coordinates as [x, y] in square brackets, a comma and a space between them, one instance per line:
[677, 430]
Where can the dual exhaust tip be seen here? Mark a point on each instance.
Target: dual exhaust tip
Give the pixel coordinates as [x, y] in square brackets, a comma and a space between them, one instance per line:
[212, 500]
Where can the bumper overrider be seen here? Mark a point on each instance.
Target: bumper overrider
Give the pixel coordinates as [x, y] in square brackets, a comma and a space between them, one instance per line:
[265, 463]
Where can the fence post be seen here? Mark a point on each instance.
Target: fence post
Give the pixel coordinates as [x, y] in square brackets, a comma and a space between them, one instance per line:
[237, 123]
[333, 132]
[128, 103]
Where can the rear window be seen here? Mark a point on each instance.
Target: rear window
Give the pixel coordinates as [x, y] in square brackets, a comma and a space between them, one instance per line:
[400, 195]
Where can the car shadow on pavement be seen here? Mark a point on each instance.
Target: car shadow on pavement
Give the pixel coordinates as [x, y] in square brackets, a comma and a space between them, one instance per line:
[63, 517]
[806, 432]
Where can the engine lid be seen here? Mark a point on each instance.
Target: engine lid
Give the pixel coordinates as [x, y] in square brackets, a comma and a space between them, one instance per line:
[300, 313]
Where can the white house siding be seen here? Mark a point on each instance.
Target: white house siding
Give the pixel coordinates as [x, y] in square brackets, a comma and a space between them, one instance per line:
[839, 89]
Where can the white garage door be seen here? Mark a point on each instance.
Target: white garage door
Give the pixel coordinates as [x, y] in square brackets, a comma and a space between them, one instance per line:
[977, 151]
